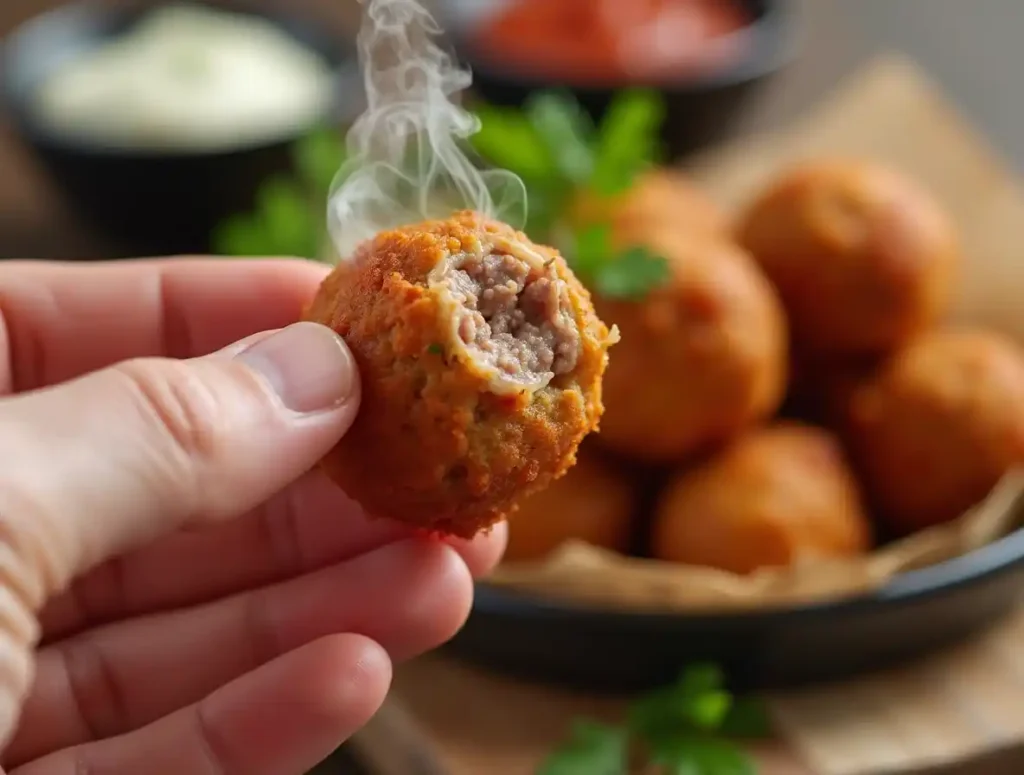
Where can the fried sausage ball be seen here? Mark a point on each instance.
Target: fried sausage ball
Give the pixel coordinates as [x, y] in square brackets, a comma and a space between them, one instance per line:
[770, 498]
[862, 257]
[481, 359]
[593, 502]
[938, 426]
[701, 356]
[658, 198]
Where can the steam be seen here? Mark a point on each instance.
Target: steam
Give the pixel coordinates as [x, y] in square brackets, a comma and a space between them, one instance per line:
[408, 159]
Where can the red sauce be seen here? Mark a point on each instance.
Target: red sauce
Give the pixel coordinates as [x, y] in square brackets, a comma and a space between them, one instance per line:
[614, 41]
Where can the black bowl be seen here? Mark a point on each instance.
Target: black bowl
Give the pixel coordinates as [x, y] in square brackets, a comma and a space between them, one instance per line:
[147, 203]
[916, 613]
[700, 109]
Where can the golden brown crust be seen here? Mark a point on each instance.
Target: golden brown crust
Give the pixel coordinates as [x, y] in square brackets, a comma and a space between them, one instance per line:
[593, 502]
[863, 258]
[769, 499]
[700, 358]
[936, 428]
[432, 446]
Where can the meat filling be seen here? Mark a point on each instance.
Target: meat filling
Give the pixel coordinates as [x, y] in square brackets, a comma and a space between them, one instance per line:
[515, 317]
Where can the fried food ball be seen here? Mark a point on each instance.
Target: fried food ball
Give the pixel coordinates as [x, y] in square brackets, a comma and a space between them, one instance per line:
[701, 357]
[593, 502]
[481, 358]
[863, 258]
[770, 498]
[658, 198]
[937, 427]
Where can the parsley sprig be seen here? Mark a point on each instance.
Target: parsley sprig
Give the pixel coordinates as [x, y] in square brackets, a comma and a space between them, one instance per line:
[560, 154]
[687, 728]
[628, 274]
[552, 144]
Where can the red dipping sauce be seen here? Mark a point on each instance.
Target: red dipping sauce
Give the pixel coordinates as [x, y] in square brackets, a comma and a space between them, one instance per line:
[613, 42]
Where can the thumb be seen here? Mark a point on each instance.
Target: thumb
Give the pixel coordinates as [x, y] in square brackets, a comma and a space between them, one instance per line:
[95, 466]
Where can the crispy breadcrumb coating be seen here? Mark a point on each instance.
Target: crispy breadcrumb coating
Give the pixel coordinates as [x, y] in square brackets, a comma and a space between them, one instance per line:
[773, 497]
[938, 425]
[481, 359]
[863, 258]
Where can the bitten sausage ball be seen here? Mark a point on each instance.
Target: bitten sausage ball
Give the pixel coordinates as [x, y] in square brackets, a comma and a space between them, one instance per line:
[593, 502]
[481, 360]
[770, 498]
[862, 257]
[936, 428]
[701, 356]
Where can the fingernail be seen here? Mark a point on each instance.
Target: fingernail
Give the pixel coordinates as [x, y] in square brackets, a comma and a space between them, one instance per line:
[307, 365]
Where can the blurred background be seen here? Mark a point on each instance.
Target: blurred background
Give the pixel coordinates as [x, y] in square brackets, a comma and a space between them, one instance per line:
[969, 48]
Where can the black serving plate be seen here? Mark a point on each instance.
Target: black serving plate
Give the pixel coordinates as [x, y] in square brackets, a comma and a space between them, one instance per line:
[148, 203]
[700, 109]
[916, 613]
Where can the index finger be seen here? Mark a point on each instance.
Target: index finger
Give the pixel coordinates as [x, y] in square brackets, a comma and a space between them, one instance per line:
[59, 320]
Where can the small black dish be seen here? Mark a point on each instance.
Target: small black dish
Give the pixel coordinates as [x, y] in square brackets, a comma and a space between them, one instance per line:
[699, 109]
[916, 613]
[148, 203]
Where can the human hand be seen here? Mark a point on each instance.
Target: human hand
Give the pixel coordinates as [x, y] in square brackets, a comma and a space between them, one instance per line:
[179, 593]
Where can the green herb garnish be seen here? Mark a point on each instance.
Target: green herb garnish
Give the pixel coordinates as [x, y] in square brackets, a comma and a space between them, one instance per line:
[747, 719]
[317, 158]
[592, 749]
[551, 144]
[626, 142]
[507, 134]
[630, 274]
[287, 219]
[701, 756]
[683, 729]
[566, 130]
[554, 147]
[435, 349]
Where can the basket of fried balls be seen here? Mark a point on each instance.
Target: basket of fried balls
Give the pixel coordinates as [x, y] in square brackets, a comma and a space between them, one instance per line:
[791, 389]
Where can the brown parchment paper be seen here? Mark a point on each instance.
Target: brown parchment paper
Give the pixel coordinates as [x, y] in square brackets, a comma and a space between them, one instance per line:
[890, 112]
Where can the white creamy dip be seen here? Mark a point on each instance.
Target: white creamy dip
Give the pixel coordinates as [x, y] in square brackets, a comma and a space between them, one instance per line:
[189, 78]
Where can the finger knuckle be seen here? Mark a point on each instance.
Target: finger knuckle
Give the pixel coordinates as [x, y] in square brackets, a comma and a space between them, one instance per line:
[180, 407]
[94, 688]
[34, 554]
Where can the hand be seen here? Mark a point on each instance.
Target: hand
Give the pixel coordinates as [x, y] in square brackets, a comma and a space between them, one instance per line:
[179, 595]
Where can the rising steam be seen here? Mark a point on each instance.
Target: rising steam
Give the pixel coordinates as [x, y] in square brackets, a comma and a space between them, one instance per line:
[408, 157]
